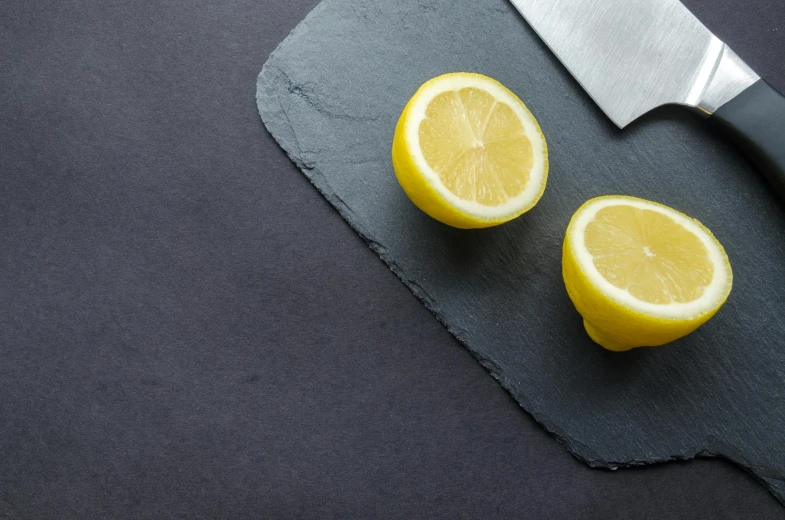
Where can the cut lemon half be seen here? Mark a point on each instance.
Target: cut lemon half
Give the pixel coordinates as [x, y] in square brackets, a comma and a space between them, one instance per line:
[469, 153]
[642, 274]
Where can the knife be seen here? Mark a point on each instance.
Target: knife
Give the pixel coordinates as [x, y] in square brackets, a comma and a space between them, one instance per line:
[632, 56]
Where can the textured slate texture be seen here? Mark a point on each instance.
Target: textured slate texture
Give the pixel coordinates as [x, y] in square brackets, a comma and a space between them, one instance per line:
[331, 94]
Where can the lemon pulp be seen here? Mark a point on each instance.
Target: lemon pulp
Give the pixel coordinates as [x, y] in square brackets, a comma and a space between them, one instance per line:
[476, 145]
[648, 254]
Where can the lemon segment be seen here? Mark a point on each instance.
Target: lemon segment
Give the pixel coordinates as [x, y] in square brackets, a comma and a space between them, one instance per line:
[642, 274]
[469, 153]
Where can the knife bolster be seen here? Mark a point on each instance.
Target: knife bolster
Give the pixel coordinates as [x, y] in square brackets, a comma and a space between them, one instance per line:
[729, 77]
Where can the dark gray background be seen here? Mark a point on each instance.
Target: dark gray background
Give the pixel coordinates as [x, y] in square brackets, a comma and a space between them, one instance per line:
[188, 329]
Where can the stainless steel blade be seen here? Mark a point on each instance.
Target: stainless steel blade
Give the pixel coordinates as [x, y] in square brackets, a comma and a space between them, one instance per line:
[634, 55]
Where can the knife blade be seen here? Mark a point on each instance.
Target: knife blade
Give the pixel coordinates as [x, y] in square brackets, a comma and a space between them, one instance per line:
[632, 56]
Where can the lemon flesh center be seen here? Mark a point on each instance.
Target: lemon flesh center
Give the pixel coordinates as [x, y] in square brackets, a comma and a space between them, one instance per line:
[648, 254]
[477, 146]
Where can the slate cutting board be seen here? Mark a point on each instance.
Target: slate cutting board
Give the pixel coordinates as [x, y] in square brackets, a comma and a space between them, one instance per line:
[331, 95]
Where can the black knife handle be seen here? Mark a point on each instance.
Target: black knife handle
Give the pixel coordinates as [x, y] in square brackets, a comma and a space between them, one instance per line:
[755, 121]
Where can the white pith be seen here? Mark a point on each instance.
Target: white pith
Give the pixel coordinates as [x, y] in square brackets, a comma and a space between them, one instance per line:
[712, 295]
[412, 135]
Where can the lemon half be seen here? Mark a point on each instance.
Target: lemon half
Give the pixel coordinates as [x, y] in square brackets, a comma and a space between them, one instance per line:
[642, 274]
[469, 153]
